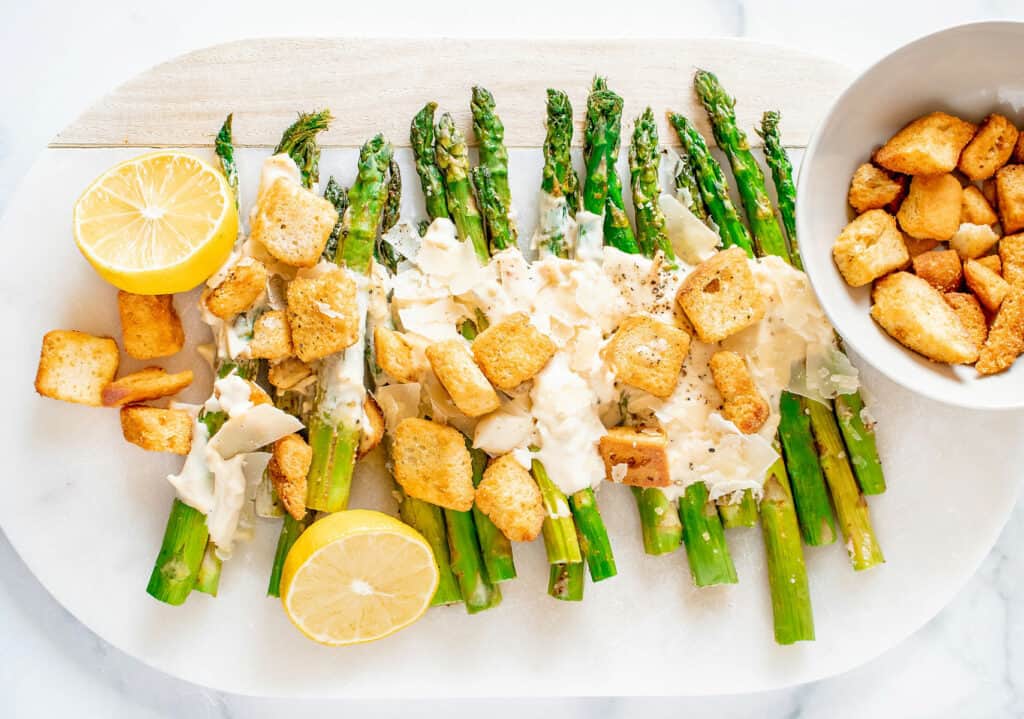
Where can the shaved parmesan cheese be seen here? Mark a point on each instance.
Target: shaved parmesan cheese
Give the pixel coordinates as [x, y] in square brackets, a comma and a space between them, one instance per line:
[504, 430]
[251, 430]
[447, 261]
[435, 321]
[398, 402]
[692, 240]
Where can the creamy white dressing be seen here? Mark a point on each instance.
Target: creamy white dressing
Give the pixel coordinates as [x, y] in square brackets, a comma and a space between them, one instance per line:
[342, 374]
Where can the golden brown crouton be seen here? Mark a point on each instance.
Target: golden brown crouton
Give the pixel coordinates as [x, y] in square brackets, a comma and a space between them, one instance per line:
[973, 241]
[322, 314]
[465, 383]
[869, 247]
[157, 430]
[149, 383]
[373, 427]
[987, 286]
[744, 406]
[432, 463]
[1018, 151]
[648, 354]
[932, 208]
[150, 327]
[917, 246]
[288, 372]
[930, 145]
[971, 316]
[1011, 252]
[75, 366]
[941, 269]
[1005, 337]
[271, 336]
[512, 351]
[635, 456]
[872, 188]
[916, 315]
[288, 467]
[720, 296]
[976, 210]
[990, 193]
[511, 499]
[1010, 189]
[990, 148]
[992, 262]
[293, 223]
[246, 281]
[396, 355]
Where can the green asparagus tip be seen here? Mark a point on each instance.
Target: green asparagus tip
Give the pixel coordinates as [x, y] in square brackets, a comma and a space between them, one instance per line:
[600, 84]
[482, 100]
[299, 142]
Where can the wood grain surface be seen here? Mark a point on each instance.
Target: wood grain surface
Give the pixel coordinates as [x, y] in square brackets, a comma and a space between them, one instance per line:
[376, 85]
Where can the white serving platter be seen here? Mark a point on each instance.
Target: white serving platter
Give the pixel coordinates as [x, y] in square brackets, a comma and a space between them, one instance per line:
[86, 511]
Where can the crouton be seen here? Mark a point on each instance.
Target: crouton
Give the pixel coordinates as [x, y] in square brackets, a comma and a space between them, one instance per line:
[288, 372]
[917, 246]
[869, 247]
[511, 499]
[293, 224]
[743, 404]
[941, 269]
[930, 145]
[271, 336]
[465, 383]
[932, 208]
[149, 383]
[396, 355]
[373, 427]
[916, 315]
[635, 456]
[512, 351]
[150, 327]
[872, 188]
[288, 468]
[245, 283]
[720, 296]
[1011, 252]
[1018, 151]
[648, 354]
[989, 192]
[1005, 337]
[75, 366]
[989, 149]
[987, 286]
[973, 241]
[968, 309]
[1010, 189]
[432, 463]
[322, 314]
[157, 430]
[992, 262]
[976, 210]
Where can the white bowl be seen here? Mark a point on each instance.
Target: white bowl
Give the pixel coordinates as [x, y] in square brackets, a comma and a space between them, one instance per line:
[969, 71]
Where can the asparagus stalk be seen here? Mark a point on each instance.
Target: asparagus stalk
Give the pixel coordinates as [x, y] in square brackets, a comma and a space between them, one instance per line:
[495, 546]
[490, 136]
[421, 135]
[704, 538]
[644, 159]
[224, 146]
[686, 185]
[787, 574]
[558, 181]
[337, 196]
[858, 434]
[812, 506]
[565, 582]
[291, 529]
[560, 539]
[335, 440]
[494, 210]
[468, 563]
[428, 520]
[453, 160]
[660, 526]
[299, 142]
[738, 514]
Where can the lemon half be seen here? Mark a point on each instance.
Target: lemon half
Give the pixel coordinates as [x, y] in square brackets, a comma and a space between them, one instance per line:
[356, 576]
[159, 223]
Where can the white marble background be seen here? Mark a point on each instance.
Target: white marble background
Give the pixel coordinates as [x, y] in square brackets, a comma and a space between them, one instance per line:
[56, 57]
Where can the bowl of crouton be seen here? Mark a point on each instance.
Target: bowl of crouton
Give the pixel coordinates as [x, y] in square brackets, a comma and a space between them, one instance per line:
[911, 215]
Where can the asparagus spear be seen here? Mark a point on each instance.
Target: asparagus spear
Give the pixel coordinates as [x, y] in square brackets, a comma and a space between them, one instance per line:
[494, 546]
[713, 187]
[335, 439]
[493, 208]
[224, 146]
[812, 507]
[660, 526]
[490, 135]
[468, 564]
[686, 185]
[453, 160]
[704, 538]
[558, 181]
[560, 539]
[644, 159]
[421, 135]
[738, 514]
[299, 142]
[337, 196]
[787, 574]
[858, 434]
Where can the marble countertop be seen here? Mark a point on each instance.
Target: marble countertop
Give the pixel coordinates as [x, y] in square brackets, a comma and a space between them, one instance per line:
[61, 55]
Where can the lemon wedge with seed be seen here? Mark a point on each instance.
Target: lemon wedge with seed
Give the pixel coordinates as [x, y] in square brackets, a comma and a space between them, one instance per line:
[157, 224]
[356, 576]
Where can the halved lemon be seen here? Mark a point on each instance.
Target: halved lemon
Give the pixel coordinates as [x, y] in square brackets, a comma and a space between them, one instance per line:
[157, 224]
[356, 576]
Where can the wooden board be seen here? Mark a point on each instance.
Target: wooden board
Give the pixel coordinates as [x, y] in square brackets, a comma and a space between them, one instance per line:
[377, 85]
